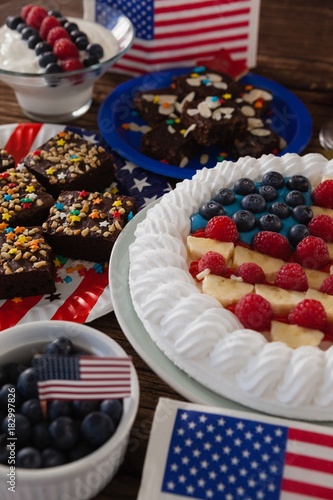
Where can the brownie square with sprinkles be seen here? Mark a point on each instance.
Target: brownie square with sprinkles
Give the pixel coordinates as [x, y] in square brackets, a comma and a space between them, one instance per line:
[26, 262]
[69, 162]
[85, 225]
[23, 200]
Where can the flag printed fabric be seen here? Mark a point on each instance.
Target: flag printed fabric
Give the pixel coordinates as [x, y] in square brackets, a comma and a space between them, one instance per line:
[82, 377]
[202, 452]
[177, 33]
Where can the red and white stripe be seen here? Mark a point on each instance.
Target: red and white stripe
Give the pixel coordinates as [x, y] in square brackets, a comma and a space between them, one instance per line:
[188, 31]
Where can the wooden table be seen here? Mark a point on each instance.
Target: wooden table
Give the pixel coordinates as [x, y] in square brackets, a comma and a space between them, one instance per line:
[295, 50]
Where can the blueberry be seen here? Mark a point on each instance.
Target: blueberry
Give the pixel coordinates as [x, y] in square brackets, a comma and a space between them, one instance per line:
[113, 408]
[54, 13]
[22, 428]
[62, 346]
[90, 61]
[27, 32]
[97, 428]
[52, 457]
[70, 26]
[20, 27]
[29, 458]
[77, 34]
[32, 409]
[302, 214]
[83, 408]
[53, 68]
[225, 196]
[58, 408]
[210, 209]
[244, 186]
[95, 49]
[27, 383]
[64, 433]
[294, 198]
[297, 233]
[4, 452]
[13, 21]
[274, 179]
[268, 192]
[253, 202]
[270, 222]
[40, 437]
[42, 47]
[80, 450]
[81, 42]
[9, 393]
[47, 58]
[298, 182]
[280, 209]
[13, 371]
[33, 41]
[244, 220]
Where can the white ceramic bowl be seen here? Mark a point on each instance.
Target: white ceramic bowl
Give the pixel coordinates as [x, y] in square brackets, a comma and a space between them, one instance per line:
[84, 478]
[62, 97]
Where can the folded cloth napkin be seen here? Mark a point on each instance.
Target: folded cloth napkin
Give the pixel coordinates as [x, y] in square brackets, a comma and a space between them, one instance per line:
[178, 33]
[204, 452]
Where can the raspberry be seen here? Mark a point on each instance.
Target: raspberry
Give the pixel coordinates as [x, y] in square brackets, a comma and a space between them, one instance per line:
[193, 269]
[48, 23]
[309, 313]
[312, 252]
[322, 226]
[327, 285]
[213, 261]
[35, 17]
[222, 228]
[322, 195]
[251, 273]
[56, 33]
[273, 244]
[292, 277]
[25, 10]
[71, 64]
[254, 312]
[64, 48]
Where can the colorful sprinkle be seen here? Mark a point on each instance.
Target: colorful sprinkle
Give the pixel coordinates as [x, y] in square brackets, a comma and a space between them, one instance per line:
[125, 126]
[8, 197]
[50, 171]
[83, 194]
[61, 142]
[30, 189]
[94, 215]
[59, 206]
[117, 203]
[75, 158]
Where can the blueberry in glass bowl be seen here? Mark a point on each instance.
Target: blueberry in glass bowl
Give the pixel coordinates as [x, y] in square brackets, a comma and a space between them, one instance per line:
[53, 456]
[51, 66]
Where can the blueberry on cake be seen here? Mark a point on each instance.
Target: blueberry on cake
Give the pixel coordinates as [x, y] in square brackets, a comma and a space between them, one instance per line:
[26, 262]
[84, 225]
[69, 162]
[23, 200]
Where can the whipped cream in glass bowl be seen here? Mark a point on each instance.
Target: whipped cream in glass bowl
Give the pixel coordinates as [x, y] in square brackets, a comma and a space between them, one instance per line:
[64, 96]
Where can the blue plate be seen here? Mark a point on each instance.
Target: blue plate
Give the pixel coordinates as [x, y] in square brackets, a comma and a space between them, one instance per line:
[288, 117]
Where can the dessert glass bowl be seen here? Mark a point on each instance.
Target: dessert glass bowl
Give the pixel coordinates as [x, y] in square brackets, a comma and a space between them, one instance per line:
[61, 97]
[85, 477]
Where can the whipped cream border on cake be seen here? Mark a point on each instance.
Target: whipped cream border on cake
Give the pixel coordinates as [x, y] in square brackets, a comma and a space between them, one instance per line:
[194, 330]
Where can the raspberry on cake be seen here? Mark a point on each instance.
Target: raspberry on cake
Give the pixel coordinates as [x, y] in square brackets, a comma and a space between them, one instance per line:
[23, 200]
[26, 266]
[85, 225]
[69, 162]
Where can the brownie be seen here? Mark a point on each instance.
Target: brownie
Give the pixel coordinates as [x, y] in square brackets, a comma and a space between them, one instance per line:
[256, 142]
[69, 162]
[170, 142]
[23, 200]
[203, 81]
[256, 98]
[214, 120]
[85, 225]
[6, 160]
[154, 106]
[26, 263]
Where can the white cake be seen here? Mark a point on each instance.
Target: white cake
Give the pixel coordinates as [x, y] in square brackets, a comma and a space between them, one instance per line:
[196, 332]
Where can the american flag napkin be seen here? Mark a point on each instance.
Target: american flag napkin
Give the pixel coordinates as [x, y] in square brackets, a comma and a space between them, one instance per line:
[82, 377]
[177, 33]
[202, 452]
